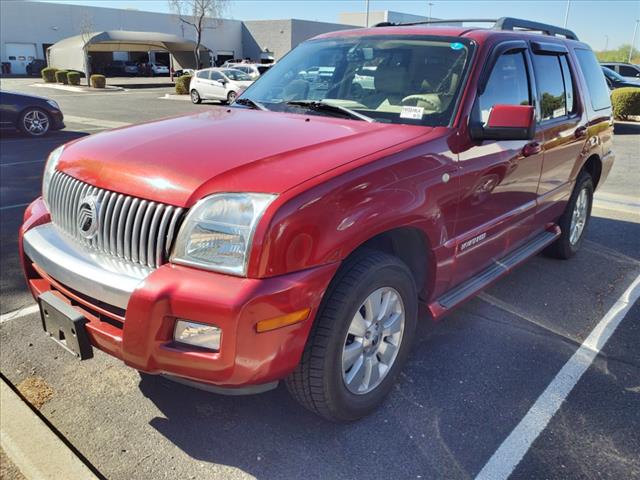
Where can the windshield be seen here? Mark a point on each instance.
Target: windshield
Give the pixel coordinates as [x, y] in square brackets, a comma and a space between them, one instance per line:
[237, 75]
[391, 79]
[611, 75]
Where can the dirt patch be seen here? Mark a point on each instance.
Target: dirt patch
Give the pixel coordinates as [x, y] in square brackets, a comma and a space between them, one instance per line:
[35, 390]
[8, 471]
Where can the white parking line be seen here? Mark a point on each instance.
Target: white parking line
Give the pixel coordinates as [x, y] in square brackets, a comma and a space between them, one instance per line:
[21, 163]
[504, 461]
[8, 207]
[19, 313]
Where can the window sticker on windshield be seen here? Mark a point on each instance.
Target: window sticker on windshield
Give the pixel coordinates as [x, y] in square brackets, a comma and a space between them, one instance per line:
[456, 46]
[414, 113]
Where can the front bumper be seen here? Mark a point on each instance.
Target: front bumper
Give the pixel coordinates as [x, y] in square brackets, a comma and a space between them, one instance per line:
[132, 312]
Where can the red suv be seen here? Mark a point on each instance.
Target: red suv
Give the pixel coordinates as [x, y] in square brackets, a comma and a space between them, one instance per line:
[423, 164]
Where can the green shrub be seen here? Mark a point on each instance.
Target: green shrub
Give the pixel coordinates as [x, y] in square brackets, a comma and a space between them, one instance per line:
[61, 76]
[73, 78]
[626, 102]
[182, 84]
[98, 81]
[49, 74]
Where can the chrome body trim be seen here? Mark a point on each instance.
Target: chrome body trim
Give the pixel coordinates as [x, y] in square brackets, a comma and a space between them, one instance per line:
[98, 275]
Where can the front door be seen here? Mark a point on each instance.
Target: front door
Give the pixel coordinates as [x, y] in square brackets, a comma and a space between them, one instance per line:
[499, 179]
[217, 82]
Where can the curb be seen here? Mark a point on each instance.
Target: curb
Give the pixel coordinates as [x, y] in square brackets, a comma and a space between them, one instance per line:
[32, 446]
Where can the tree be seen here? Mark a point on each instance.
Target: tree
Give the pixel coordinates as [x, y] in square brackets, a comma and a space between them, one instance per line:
[199, 15]
[86, 31]
[620, 54]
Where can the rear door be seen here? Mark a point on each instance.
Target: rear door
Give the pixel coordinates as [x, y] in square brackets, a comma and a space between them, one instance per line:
[562, 124]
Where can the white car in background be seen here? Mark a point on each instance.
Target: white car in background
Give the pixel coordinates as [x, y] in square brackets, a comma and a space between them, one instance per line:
[218, 84]
[254, 70]
[159, 69]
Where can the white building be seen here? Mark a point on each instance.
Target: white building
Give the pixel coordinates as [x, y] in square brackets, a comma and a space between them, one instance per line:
[29, 28]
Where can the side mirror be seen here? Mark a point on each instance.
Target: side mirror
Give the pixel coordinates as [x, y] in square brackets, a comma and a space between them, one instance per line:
[507, 122]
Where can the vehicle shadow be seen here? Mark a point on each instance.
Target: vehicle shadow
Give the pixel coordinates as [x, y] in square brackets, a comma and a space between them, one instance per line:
[460, 395]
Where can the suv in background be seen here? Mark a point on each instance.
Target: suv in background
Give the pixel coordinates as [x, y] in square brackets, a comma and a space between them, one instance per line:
[307, 254]
[35, 67]
[627, 70]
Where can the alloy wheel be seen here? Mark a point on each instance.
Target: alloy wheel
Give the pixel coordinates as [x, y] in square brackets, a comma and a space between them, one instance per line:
[579, 217]
[373, 341]
[36, 122]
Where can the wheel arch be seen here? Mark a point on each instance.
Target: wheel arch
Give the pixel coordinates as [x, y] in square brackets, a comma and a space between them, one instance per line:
[412, 246]
[593, 166]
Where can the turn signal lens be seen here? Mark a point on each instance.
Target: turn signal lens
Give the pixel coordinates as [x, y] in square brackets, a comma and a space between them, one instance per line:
[283, 321]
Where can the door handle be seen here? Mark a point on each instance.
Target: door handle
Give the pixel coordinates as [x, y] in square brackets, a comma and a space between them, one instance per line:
[581, 131]
[532, 148]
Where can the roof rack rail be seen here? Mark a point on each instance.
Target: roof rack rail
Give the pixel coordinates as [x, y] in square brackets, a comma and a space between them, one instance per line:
[504, 23]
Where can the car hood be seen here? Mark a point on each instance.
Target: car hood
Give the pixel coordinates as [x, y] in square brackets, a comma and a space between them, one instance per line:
[179, 160]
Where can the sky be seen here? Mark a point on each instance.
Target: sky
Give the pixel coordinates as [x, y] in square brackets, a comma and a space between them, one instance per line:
[602, 23]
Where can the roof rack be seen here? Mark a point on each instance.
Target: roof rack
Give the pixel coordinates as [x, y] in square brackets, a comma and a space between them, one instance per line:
[504, 23]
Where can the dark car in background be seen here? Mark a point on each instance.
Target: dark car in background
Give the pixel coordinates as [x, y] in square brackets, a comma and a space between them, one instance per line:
[35, 66]
[32, 115]
[615, 80]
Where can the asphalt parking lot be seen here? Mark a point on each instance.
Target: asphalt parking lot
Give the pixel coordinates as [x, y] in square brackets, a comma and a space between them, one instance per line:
[470, 381]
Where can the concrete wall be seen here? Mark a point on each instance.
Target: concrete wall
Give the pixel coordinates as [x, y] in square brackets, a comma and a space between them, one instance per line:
[280, 36]
[39, 23]
[378, 16]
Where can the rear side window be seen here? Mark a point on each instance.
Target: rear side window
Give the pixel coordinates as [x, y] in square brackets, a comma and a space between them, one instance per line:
[568, 84]
[550, 83]
[627, 71]
[593, 75]
[203, 74]
[508, 84]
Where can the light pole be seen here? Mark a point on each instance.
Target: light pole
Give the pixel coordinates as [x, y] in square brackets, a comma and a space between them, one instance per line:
[430, 5]
[566, 13]
[633, 40]
[366, 16]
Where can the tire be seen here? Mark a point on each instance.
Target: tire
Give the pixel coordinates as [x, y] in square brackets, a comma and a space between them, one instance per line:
[320, 382]
[34, 122]
[231, 97]
[567, 245]
[195, 96]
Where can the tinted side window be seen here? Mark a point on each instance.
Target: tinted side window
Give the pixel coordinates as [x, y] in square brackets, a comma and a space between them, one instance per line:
[626, 71]
[568, 84]
[203, 74]
[597, 85]
[553, 103]
[508, 84]
[216, 76]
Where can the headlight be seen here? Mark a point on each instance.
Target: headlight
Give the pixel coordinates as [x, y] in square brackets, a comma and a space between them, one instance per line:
[218, 232]
[49, 170]
[54, 104]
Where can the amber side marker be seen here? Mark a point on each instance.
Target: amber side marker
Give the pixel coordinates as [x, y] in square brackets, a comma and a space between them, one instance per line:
[283, 321]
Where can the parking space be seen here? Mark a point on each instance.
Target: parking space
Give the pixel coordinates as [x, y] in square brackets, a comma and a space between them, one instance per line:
[470, 380]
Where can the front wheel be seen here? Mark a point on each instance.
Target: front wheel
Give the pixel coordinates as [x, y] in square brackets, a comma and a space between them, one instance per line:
[575, 219]
[35, 122]
[360, 339]
[195, 96]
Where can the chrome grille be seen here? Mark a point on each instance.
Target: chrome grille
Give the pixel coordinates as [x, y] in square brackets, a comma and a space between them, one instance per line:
[135, 230]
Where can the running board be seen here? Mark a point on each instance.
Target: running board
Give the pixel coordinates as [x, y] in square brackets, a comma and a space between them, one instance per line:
[501, 267]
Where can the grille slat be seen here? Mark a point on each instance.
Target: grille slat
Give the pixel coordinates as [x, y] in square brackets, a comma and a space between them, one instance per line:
[135, 230]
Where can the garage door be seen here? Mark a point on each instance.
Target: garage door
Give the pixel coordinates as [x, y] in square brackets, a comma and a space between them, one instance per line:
[20, 55]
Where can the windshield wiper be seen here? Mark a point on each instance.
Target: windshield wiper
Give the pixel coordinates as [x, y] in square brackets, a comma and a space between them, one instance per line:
[329, 107]
[247, 102]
